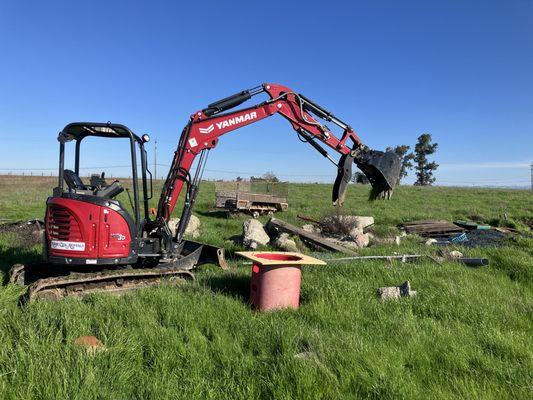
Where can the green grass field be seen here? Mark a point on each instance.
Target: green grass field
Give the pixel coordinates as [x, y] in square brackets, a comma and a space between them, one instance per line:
[468, 333]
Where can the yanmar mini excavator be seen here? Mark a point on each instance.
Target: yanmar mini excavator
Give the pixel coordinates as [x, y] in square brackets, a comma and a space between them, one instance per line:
[92, 243]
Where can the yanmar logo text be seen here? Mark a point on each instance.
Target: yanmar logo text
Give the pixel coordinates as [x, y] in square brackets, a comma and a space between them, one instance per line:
[229, 122]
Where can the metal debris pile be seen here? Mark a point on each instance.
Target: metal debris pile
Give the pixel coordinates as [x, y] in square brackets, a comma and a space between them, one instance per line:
[464, 233]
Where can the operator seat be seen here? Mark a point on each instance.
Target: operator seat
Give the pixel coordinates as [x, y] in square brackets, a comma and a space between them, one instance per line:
[76, 185]
[73, 180]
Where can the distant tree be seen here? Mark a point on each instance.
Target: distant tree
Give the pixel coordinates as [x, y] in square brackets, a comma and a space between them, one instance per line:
[424, 168]
[270, 177]
[359, 177]
[238, 179]
[406, 159]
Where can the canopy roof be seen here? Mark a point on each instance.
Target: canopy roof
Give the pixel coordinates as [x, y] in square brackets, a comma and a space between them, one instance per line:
[79, 130]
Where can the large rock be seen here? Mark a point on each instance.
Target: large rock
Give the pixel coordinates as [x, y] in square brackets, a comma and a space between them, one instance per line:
[254, 234]
[285, 243]
[193, 228]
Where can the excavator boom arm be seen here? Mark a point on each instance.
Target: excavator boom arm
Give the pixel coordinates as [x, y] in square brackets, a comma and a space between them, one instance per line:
[206, 126]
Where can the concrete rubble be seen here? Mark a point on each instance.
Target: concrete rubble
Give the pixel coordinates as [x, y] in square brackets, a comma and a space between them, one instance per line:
[342, 233]
[395, 292]
[285, 243]
[318, 235]
[456, 254]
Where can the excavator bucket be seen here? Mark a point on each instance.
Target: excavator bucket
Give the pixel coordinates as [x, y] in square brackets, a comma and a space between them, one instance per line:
[381, 168]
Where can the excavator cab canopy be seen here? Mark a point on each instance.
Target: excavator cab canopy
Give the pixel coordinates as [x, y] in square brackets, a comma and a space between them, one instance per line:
[77, 132]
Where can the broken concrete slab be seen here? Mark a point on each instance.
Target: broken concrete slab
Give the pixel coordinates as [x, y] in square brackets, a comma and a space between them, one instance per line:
[389, 292]
[254, 234]
[395, 292]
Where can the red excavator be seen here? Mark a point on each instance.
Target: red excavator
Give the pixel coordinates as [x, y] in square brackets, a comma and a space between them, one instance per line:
[92, 243]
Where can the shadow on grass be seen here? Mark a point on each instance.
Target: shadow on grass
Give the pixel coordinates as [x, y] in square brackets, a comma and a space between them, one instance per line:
[215, 214]
[16, 255]
[230, 284]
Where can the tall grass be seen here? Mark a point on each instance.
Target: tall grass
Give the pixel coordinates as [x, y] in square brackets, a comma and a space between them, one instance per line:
[467, 334]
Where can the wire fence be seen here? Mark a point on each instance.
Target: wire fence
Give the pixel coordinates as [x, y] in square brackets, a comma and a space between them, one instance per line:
[279, 189]
[124, 171]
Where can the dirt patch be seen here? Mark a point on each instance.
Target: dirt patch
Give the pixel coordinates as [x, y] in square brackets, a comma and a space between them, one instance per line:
[26, 233]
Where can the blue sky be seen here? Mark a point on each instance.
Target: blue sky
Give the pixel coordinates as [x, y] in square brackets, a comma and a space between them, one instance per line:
[460, 70]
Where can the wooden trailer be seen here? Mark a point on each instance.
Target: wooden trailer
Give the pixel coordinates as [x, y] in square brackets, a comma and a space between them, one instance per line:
[254, 198]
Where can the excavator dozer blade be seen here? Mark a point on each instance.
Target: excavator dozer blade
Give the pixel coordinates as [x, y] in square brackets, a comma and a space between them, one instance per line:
[382, 170]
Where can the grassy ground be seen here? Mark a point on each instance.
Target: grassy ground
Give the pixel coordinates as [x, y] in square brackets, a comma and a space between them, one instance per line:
[468, 333]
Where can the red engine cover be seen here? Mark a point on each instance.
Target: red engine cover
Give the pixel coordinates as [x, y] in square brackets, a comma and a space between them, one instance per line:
[81, 230]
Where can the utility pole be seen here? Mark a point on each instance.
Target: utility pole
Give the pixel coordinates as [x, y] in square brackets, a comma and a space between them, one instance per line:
[155, 159]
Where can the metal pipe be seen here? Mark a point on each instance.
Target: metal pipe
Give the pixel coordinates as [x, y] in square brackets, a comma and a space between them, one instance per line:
[144, 167]
[135, 183]
[61, 165]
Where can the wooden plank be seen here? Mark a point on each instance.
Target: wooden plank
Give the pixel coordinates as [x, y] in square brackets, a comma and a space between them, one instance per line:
[434, 228]
[312, 238]
[425, 221]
